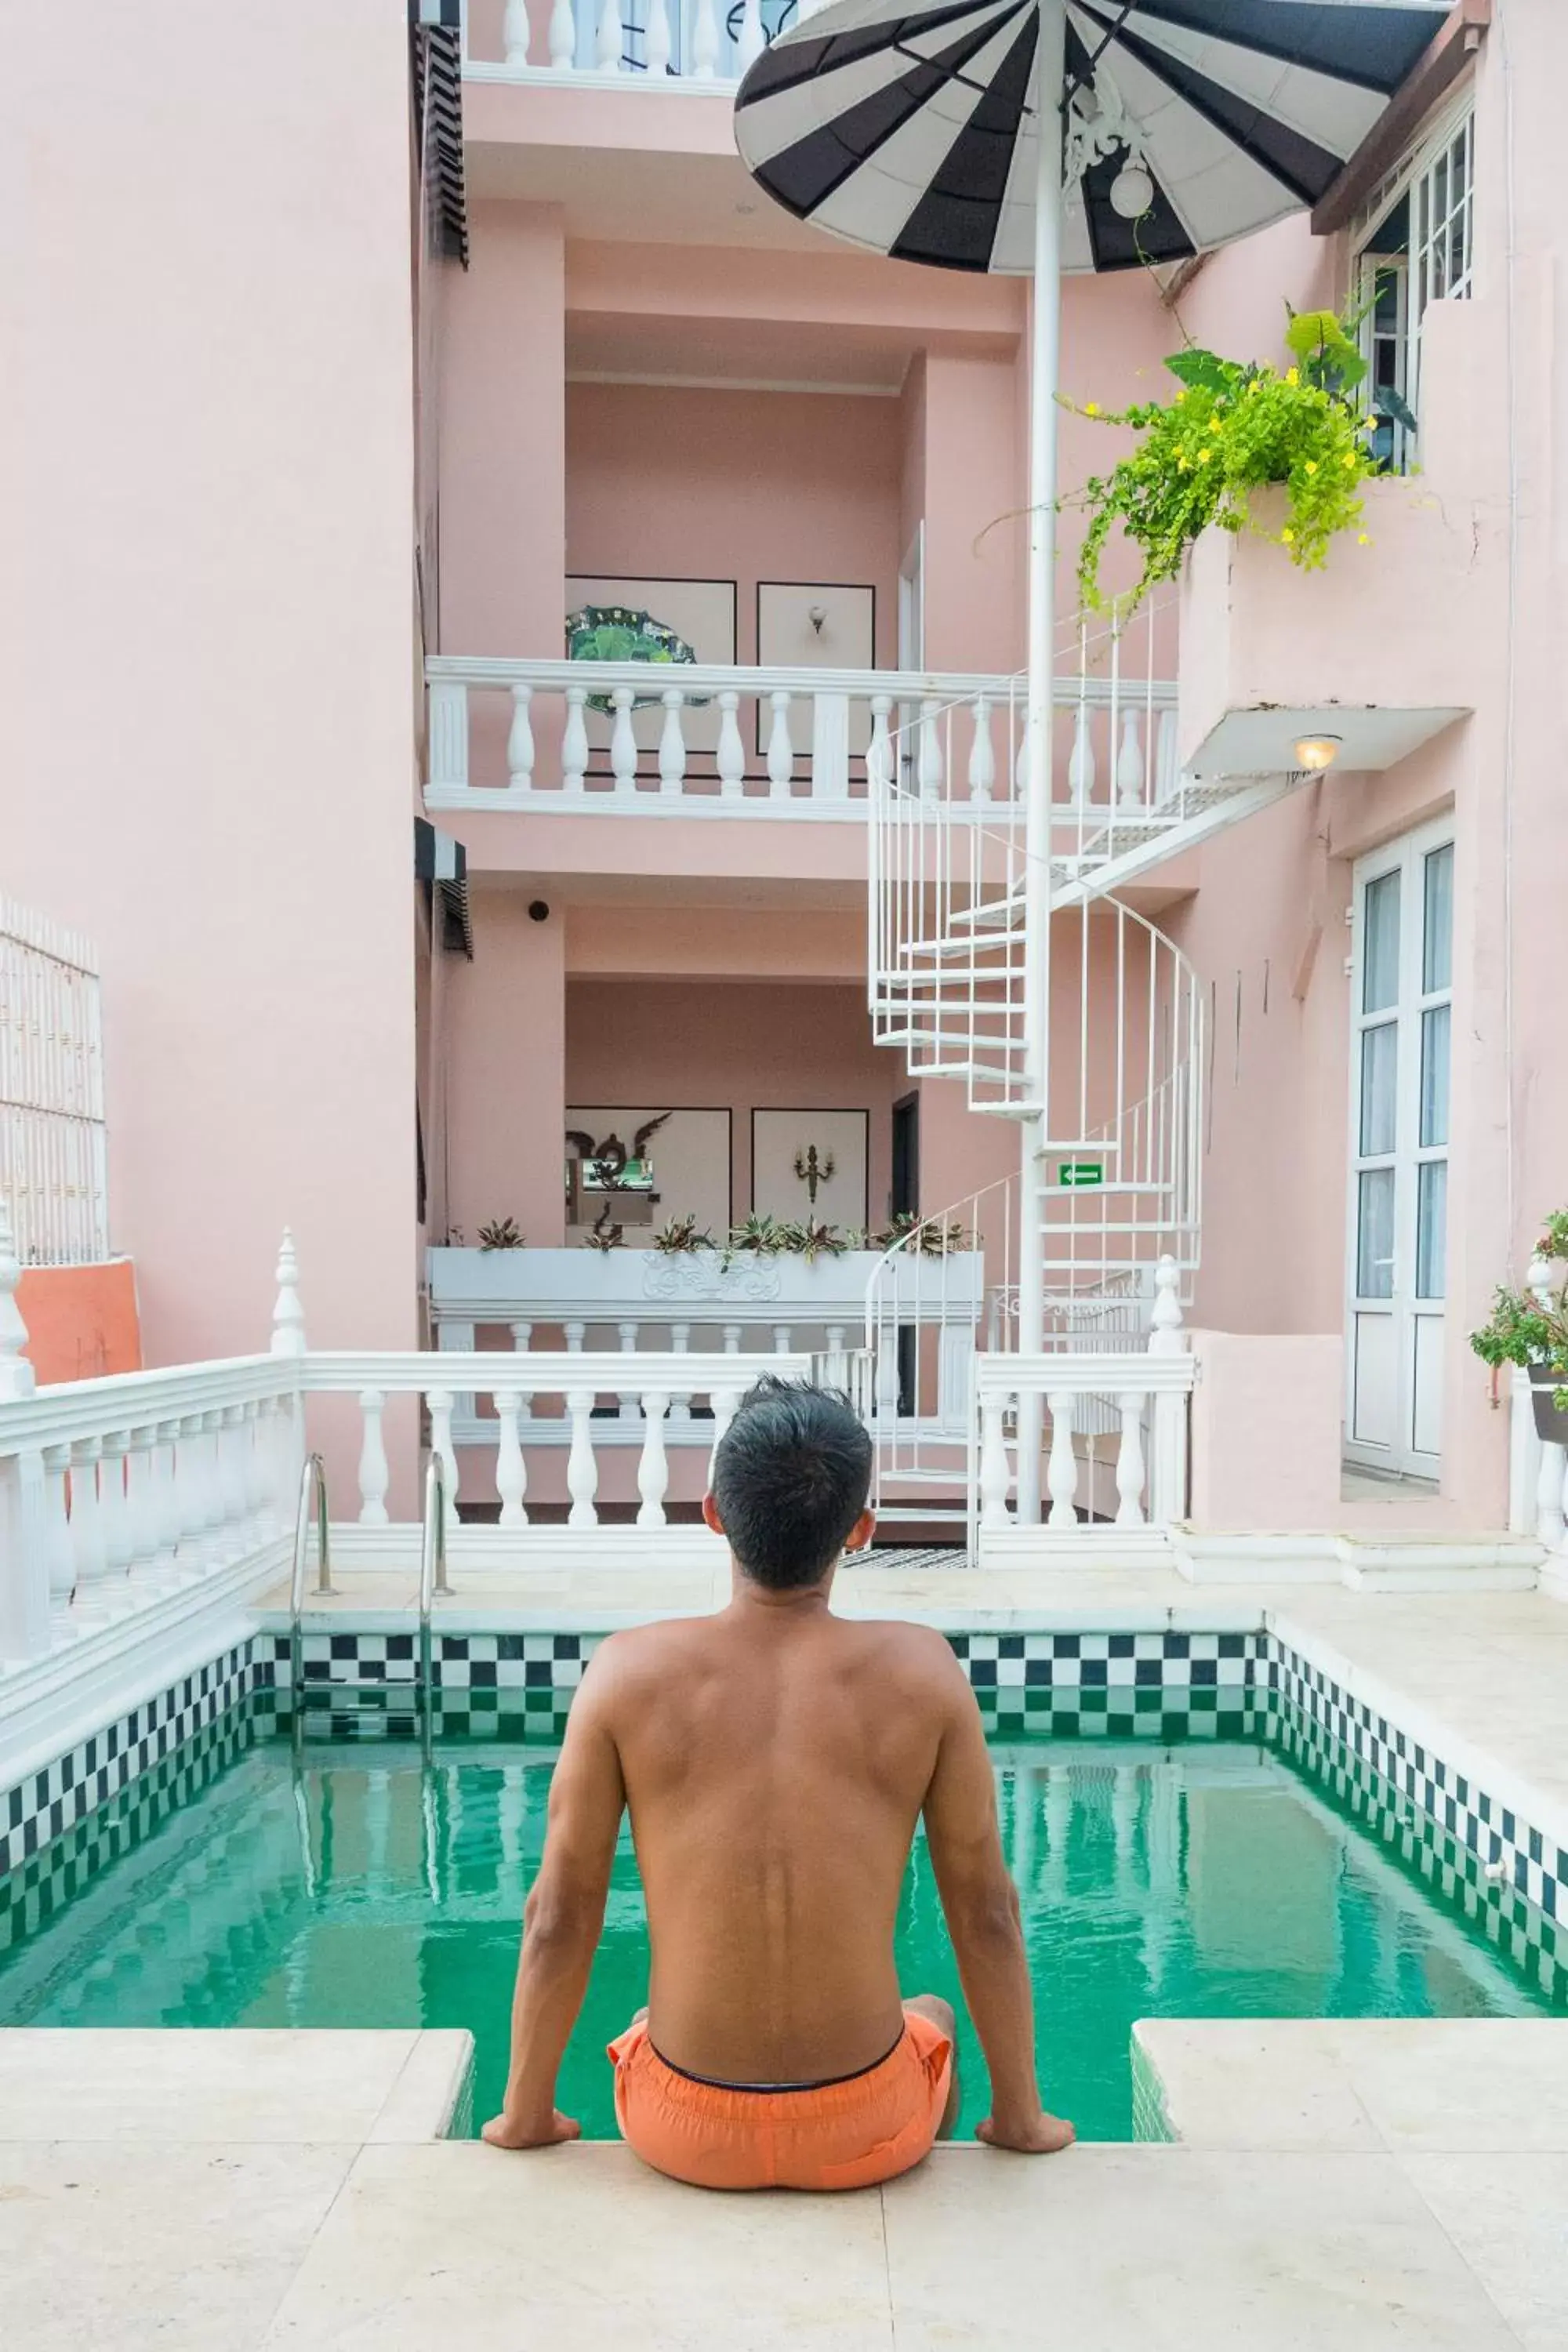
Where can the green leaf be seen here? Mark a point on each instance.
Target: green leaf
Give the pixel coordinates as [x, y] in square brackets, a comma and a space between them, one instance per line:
[1204, 371]
[1387, 403]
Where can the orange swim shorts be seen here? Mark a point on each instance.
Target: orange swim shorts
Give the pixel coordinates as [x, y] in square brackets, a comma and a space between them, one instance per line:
[845, 2135]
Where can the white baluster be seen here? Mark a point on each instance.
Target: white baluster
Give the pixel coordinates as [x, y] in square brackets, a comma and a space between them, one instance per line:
[512, 1470]
[1080, 766]
[928, 770]
[704, 41]
[732, 1333]
[671, 742]
[725, 1402]
[15, 1373]
[995, 1470]
[1061, 1470]
[166, 1490]
[86, 1520]
[522, 1337]
[623, 743]
[981, 755]
[1130, 763]
[215, 1500]
[288, 1313]
[781, 748]
[611, 39]
[231, 1460]
[440, 1401]
[1130, 1461]
[628, 1397]
[880, 751]
[652, 1468]
[194, 1492]
[520, 751]
[141, 1477]
[563, 36]
[732, 751]
[57, 1522]
[374, 1475]
[680, 1343]
[514, 32]
[575, 741]
[255, 1463]
[749, 41]
[576, 1335]
[1166, 1318]
[838, 1370]
[582, 1470]
[656, 40]
[886, 1391]
[783, 1333]
[1166, 777]
[112, 1505]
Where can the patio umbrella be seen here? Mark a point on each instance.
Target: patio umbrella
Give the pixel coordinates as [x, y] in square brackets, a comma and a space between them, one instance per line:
[1034, 136]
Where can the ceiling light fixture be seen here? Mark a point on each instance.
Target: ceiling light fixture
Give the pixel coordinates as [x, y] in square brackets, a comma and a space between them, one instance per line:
[1316, 752]
[1131, 192]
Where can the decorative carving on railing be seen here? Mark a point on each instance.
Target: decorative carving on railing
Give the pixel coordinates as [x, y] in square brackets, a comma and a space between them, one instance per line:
[703, 1273]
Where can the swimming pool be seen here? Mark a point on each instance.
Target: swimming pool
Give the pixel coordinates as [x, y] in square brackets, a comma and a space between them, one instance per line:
[330, 1884]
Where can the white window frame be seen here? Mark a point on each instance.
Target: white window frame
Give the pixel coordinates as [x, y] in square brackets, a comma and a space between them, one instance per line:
[1406, 855]
[1416, 176]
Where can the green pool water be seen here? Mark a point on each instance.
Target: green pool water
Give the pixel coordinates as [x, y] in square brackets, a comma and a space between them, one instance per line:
[352, 1885]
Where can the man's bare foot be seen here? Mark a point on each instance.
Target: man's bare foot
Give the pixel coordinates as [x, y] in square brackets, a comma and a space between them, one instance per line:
[545, 2131]
[1040, 2134]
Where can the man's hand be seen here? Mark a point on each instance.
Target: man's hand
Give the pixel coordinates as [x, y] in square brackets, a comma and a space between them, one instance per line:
[1038, 2135]
[543, 2131]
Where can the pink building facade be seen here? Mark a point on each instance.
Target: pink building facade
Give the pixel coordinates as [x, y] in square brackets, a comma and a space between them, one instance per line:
[309, 495]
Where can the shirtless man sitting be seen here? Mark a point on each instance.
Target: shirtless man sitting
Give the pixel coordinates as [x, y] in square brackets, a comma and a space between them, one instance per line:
[777, 1760]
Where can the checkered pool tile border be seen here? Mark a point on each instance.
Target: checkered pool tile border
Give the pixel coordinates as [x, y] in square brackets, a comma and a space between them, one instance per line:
[62, 1824]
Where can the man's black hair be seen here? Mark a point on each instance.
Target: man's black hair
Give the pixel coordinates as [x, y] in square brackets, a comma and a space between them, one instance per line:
[791, 1477]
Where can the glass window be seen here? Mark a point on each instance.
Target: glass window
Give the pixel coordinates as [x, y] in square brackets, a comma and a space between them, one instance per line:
[1438, 921]
[1379, 1073]
[1379, 943]
[1434, 1076]
[1431, 1229]
[1375, 1235]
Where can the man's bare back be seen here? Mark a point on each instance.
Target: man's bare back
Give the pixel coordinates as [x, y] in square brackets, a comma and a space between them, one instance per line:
[776, 1761]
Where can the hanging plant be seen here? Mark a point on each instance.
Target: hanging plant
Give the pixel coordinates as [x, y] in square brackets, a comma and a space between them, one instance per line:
[616, 633]
[1230, 430]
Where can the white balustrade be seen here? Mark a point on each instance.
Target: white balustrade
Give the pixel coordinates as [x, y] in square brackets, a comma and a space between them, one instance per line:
[514, 32]
[710, 739]
[511, 1467]
[374, 1475]
[653, 1467]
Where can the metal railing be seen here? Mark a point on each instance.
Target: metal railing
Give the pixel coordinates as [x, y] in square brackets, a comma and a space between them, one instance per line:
[313, 1492]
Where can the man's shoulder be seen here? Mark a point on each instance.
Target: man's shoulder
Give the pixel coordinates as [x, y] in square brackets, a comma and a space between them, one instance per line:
[894, 1643]
[638, 1649]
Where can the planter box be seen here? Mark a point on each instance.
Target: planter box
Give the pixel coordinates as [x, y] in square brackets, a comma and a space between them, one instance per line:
[1551, 1426]
[554, 1285]
[1383, 647]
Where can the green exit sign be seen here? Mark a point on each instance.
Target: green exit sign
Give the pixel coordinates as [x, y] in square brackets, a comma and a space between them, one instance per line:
[1081, 1171]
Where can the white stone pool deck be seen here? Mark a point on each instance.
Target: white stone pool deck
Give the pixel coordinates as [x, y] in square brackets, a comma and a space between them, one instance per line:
[1367, 2186]
[1363, 2186]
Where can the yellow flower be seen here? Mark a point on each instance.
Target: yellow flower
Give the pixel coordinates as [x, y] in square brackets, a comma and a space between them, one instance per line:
[1292, 375]
[1350, 458]
[1178, 400]
[1363, 539]
[1181, 465]
[1092, 408]
[1287, 536]
[1312, 465]
[1204, 456]
[1369, 424]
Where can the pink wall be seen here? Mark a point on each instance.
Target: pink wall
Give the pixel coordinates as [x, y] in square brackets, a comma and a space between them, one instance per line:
[206, 654]
[745, 486]
[747, 1047]
[506, 1085]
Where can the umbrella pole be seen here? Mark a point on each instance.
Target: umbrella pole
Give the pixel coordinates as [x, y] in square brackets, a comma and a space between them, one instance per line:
[1044, 378]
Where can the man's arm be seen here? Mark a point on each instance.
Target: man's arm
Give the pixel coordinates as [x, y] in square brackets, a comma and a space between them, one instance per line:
[981, 1904]
[563, 1916]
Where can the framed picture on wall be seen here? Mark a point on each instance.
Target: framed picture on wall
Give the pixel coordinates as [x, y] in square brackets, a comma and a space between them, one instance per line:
[812, 1163]
[691, 1152]
[816, 625]
[705, 613]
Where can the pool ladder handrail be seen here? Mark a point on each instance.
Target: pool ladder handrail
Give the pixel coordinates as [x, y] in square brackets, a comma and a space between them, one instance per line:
[432, 1564]
[312, 1491]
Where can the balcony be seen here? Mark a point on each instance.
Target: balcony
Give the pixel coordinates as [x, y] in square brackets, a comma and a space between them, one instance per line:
[692, 46]
[620, 739]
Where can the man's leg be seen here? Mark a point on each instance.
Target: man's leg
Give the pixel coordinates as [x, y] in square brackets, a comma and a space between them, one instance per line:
[939, 2012]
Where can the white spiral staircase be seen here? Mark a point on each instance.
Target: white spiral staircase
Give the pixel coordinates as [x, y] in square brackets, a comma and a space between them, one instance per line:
[1115, 1097]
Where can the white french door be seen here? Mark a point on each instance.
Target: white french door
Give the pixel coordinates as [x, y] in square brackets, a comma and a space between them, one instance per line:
[1401, 1018]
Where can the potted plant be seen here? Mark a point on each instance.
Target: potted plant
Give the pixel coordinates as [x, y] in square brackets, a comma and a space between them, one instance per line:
[1529, 1328]
[811, 1238]
[1230, 430]
[502, 1234]
[681, 1237]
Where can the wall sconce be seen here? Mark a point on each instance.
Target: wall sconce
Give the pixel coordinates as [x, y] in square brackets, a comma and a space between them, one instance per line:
[816, 615]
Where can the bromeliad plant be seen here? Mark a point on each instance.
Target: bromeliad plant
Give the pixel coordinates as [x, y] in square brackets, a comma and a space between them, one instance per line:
[682, 1237]
[1530, 1328]
[1230, 430]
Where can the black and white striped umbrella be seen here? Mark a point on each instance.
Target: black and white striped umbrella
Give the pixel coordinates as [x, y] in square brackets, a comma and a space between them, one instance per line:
[1184, 124]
